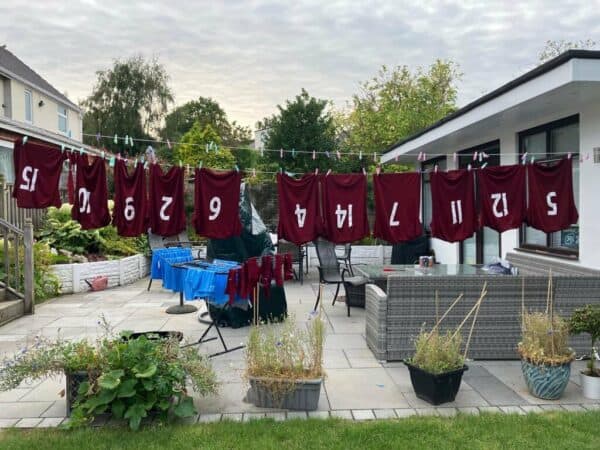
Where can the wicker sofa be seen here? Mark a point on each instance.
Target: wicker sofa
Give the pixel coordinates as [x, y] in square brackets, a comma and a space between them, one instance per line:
[393, 319]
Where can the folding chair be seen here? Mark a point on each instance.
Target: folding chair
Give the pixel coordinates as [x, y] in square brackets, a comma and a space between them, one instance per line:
[329, 267]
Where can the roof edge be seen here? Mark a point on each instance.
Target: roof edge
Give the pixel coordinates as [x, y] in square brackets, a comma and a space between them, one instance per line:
[527, 76]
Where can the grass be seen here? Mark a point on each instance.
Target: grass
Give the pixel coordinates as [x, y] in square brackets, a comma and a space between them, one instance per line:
[487, 431]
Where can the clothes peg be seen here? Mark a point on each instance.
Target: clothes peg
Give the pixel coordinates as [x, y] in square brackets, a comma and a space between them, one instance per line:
[484, 165]
[328, 172]
[25, 138]
[116, 139]
[569, 155]
[327, 153]
[435, 168]
[237, 169]
[454, 157]
[314, 155]
[364, 171]
[253, 173]
[469, 167]
[111, 162]
[360, 155]
[378, 170]
[293, 153]
[126, 139]
[200, 165]
[62, 148]
[281, 153]
[316, 171]
[375, 157]
[180, 163]
[81, 151]
[474, 156]
[169, 144]
[524, 158]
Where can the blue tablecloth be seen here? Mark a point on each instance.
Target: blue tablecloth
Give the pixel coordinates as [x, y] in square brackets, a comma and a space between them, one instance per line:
[158, 255]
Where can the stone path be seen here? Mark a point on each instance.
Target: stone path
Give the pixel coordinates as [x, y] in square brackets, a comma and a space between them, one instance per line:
[357, 386]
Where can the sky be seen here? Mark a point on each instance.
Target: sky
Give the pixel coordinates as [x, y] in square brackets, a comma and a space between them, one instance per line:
[251, 56]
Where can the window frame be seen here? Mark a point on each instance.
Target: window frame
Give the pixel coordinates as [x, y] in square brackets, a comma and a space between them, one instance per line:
[485, 147]
[61, 116]
[25, 92]
[428, 165]
[546, 128]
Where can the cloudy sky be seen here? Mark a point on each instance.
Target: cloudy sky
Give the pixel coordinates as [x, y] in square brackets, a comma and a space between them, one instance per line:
[252, 55]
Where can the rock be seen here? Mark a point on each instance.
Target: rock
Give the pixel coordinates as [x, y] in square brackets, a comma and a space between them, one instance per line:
[65, 252]
[79, 259]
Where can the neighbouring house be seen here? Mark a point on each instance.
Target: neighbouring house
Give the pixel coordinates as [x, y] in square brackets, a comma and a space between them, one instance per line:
[260, 138]
[550, 111]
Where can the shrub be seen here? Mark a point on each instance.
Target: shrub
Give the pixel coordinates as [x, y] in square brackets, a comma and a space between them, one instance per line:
[62, 233]
[545, 339]
[127, 378]
[587, 320]
[437, 352]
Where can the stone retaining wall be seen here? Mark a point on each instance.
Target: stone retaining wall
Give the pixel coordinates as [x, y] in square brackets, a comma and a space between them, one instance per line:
[119, 272]
[361, 254]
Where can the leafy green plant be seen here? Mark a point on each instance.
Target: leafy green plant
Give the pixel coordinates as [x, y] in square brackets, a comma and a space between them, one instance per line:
[587, 320]
[62, 233]
[545, 339]
[128, 378]
[437, 352]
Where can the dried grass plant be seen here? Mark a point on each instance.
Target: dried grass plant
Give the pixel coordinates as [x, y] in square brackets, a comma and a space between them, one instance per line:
[545, 339]
[437, 352]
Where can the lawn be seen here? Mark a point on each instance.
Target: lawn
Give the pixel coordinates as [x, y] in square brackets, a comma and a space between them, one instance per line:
[487, 431]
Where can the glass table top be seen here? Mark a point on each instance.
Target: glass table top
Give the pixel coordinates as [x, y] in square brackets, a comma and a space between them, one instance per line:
[374, 271]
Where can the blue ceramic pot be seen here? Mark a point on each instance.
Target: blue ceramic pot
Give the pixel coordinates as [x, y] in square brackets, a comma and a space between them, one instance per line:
[545, 381]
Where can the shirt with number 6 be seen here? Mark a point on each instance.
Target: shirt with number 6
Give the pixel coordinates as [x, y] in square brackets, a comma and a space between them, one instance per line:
[130, 209]
[37, 173]
[90, 206]
[216, 203]
[167, 208]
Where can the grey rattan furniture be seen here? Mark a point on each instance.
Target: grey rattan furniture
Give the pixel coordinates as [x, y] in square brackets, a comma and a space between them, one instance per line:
[395, 318]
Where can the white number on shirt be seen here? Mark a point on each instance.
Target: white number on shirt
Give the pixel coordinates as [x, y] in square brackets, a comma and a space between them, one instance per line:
[300, 215]
[497, 197]
[394, 222]
[166, 203]
[29, 178]
[129, 210]
[457, 215]
[342, 214]
[84, 201]
[553, 211]
[215, 208]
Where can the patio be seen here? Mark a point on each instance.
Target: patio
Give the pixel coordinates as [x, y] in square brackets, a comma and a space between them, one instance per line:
[357, 385]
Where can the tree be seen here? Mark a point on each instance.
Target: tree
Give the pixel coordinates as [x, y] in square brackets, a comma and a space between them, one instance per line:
[131, 98]
[205, 111]
[304, 125]
[192, 149]
[554, 48]
[397, 103]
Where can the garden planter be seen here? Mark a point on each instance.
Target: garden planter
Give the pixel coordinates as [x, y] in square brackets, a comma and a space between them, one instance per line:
[303, 395]
[435, 388]
[590, 386]
[546, 381]
[74, 379]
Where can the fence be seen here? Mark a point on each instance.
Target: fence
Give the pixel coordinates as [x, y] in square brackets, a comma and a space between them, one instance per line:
[11, 213]
[17, 257]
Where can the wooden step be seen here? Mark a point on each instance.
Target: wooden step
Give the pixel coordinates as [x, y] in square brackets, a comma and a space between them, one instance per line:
[11, 310]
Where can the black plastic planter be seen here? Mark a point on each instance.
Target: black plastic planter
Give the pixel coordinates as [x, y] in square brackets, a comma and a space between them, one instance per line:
[435, 389]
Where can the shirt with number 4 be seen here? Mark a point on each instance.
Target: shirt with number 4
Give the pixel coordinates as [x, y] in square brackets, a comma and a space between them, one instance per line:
[37, 173]
[90, 205]
[216, 203]
[345, 208]
[167, 209]
[299, 219]
[130, 210]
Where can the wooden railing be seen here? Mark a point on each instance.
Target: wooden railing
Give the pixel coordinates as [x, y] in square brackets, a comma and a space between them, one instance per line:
[17, 262]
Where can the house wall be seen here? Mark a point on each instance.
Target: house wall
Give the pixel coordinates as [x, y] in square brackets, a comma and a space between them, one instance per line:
[46, 116]
[589, 188]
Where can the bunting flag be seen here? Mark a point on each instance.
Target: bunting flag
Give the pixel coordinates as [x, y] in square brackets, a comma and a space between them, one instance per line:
[345, 208]
[216, 203]
[299, 219]
[397, 206]
[166, 201]
[37, 174]
[551, 201]
[502, 197]
[90, 205]
[130, 215]
[453, 205]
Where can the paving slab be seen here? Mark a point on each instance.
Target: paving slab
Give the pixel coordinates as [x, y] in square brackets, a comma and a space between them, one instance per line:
[28, 422]
[468, 410]
[318, 414]
[385, 413]
[297, 415]
[512, 410]
[405, 412]
[19, 410]
[531, 409]
[208, 418]
[574, 408]
[341, 414]
[253, 416]
[426, 411]
[235, 417]
[447, 412]
[490, 409]
[50, 422]
[7, 423]
[363, 414]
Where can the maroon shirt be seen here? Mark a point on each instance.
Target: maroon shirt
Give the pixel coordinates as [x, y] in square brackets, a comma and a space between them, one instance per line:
[397, 206]
[216, 203]
[299, 218]
[167, 208]
[551, 201]
[345, 208]
[90, 205]
[453, 205]
[37, 174]
[502, 197]
[130, 209]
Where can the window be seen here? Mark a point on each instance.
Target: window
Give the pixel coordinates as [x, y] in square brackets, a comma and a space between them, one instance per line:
[427, 167]
[484, 245]
[550, 142]
[28, 107]
[62, 119]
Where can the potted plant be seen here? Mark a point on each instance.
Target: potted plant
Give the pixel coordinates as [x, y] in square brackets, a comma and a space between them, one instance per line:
[587, 320]
[437, 367]
[545, 354]
[127, 378]
[285, 365]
